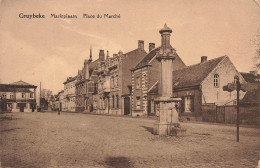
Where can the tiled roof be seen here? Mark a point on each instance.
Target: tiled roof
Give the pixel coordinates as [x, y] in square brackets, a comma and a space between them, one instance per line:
[251, 97]
[7, 88]
[193, 75]
[21, 83]
[249, 77]
[147, 58]
[70, 79]
[93, 64]
[145, 61]
[154, 89]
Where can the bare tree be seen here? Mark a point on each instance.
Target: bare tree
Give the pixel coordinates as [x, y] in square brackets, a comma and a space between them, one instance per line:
[256, 58]
[46, 94]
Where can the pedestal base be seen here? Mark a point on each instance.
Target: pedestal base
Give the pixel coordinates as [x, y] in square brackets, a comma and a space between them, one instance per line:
[161, 128]
[168, 129]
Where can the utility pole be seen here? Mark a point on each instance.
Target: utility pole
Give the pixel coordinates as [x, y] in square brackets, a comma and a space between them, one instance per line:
[238, 86]
[238, 89]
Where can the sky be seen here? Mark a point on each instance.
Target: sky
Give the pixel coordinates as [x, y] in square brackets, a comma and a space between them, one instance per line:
[51, 49]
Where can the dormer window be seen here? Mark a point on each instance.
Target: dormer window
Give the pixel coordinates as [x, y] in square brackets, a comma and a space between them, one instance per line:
[216, 80]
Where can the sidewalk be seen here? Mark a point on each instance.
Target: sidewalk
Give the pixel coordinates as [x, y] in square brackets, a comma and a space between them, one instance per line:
[155, 118]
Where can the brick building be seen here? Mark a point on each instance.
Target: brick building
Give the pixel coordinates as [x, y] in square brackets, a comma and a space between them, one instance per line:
[17, 97]
[85, 85]
[146, 79]
[70, 94]
[114, 81]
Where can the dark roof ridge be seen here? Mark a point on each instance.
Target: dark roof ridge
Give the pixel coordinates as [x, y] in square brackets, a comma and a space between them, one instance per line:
[201, 63]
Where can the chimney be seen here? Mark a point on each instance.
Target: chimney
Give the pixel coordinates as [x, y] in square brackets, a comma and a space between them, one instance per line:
[151, 46]
[108, 54]
[101, 55]
[203, 59]
[140, 44]
[120, 52]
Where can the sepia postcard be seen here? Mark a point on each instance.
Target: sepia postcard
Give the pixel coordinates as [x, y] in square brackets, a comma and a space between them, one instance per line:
[140, 83]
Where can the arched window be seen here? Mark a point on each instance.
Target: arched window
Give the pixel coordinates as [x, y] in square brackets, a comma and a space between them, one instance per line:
[216, 80]
[236, 79]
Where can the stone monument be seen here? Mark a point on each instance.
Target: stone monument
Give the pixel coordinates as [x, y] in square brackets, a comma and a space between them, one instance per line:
[168, 123]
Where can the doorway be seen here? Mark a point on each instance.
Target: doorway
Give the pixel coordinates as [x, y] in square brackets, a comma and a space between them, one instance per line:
[126, 105]
[188, 104]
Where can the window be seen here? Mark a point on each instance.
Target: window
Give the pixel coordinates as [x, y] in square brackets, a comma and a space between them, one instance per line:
[4, 95]
[138, 102]
[11, 96]
[113, 103]
[138, 82]
[112, 82]
[145, 80]
[117, 103]
[216, 80]
[23, 95]
[96, 87]
[236, 79]
[31, 95]
[116, 80]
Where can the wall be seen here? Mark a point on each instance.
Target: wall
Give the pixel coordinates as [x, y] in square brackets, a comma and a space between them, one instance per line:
[149, 76]
[196, 94]
[228, 114]
[211, 94]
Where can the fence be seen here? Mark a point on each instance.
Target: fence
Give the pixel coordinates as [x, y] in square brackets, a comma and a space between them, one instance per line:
[228, 114]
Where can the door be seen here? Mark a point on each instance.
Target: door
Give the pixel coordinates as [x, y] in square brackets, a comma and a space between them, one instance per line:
[126, 105]
[21, 106]
[149, 107]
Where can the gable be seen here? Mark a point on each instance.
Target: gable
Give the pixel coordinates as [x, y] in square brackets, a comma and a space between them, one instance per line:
[151, 57]
[193, 75]
[226, 71]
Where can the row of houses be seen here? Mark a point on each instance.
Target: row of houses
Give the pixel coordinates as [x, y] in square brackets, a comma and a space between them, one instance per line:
[128, 83]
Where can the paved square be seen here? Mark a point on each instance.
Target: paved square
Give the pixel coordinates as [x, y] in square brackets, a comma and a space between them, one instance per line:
[83, 140]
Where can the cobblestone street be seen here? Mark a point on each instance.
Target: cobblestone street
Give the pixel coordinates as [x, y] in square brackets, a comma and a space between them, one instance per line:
[83, 140]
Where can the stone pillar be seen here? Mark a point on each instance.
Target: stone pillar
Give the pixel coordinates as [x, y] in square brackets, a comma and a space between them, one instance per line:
[168, 116]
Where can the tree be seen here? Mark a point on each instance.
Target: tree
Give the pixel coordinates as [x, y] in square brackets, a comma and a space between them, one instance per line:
[46, 93]
[256, 58]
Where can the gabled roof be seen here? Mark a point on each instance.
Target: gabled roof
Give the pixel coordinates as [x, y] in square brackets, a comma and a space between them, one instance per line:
[147, 58]
[70, 79]
[193, 75]
[93, 64]
[21, 83]
[251, 97]
[145, 61]
[154, 88]
[19, 86]
[250, 77]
